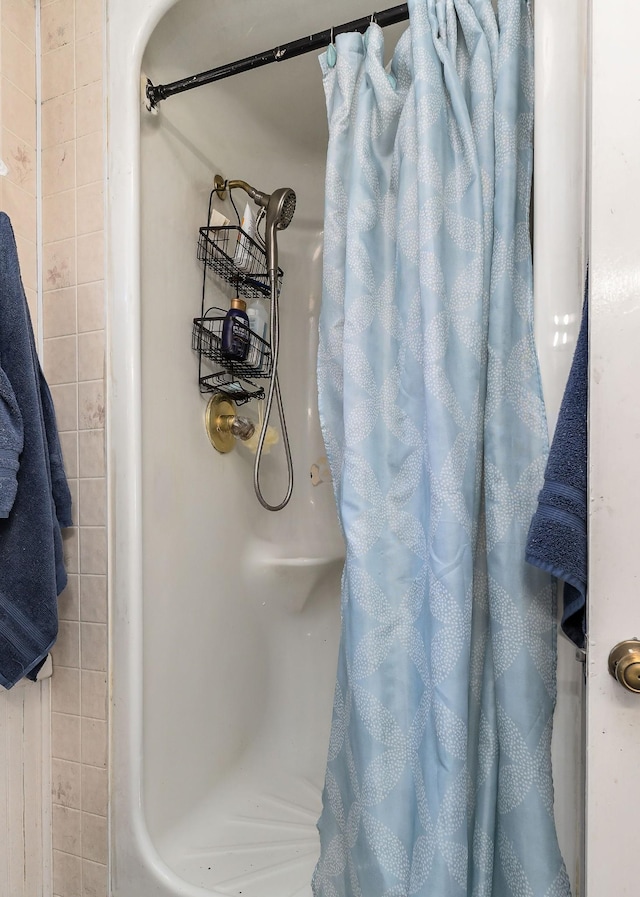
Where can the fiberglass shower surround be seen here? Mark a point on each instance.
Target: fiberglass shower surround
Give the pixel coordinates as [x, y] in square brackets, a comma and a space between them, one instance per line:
[230, 757]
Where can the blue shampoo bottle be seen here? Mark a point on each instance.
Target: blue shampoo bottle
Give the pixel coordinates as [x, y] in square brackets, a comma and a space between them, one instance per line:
[235, 331]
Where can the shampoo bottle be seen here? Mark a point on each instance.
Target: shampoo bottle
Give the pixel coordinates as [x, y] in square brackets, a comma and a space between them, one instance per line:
[235, 331]
[258, 315]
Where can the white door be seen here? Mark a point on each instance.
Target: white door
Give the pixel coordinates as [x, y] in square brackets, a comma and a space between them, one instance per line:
[613, 714]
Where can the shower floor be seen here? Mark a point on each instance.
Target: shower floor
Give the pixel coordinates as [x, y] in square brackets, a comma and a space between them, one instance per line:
[254, 839]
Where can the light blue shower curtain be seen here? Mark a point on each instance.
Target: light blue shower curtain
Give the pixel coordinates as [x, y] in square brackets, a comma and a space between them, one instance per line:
[438, 781]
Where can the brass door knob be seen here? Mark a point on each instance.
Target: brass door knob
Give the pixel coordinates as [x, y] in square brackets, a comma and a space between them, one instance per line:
[624, 664]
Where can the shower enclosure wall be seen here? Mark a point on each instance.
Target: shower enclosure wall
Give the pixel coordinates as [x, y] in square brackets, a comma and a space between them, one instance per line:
[226, 617]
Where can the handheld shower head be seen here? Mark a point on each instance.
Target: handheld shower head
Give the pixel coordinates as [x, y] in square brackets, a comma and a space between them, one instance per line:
[280, 206]
[280, 209]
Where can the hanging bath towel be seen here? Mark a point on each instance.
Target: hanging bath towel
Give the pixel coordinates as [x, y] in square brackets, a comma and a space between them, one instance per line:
[557, 539]
[34, 496]
[438, 780]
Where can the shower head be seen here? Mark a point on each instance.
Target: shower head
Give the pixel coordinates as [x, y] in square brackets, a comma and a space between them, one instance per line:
[280, 206]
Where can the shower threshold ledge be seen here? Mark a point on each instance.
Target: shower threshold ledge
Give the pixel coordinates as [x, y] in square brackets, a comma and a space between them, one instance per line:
[250, 839]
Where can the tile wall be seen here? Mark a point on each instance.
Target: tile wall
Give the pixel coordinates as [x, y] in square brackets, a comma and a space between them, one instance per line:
[73, 330]
[72, 317]
[18, 147]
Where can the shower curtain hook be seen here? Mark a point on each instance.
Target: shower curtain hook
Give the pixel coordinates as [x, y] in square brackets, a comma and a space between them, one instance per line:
[332, 55]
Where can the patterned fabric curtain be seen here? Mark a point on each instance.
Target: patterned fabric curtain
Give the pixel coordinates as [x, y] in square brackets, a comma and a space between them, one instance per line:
[439, 780]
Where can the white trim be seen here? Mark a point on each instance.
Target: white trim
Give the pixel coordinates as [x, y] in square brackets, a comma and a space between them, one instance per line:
[613, 718]
[129, 26]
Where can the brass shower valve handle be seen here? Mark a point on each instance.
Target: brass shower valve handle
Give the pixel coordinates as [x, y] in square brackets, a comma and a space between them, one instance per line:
[223, 425]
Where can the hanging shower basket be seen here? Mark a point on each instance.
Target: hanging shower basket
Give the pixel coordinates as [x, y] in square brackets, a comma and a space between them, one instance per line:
[218, 249]
[207, 342]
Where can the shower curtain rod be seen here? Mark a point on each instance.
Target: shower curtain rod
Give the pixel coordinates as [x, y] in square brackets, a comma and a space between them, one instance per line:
[157, 92]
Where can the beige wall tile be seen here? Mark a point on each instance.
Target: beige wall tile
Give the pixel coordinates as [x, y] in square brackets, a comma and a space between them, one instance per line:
[94, 742]
[27, 253]
[91, 450]
[18, 62]
[93, 599]
[59, 264]
[19, 112]
[89, 109]
[94, 838]
[89, 17]
[69, 599]
[66, 650]
[66, 779]
[60, 361]
[59, 216]
[65, 690]
[89, 59]
[73, 489]
[59, 312]
[91, 257]
[65, 399]
[71, 542]
[93, 549]
[19, 16]
[94, 646]
[69, 445]
[57, 24]
[94, 790]
[20, 159]
[58, 72]
[90, 150]
[58, 168]
[67, 874]
[91, 306]
[65, 736]
[94, 879]
[91, 405]
[91, 355]
[66, 829]
[93, 502]
[58, 120]
[21, 208]
[90, 208]
[94, 694]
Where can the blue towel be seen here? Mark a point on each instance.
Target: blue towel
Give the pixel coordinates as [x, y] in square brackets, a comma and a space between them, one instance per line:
[557, 540]
[34, 496]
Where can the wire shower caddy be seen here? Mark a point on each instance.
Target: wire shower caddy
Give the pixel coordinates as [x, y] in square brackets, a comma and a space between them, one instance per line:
[218, 252]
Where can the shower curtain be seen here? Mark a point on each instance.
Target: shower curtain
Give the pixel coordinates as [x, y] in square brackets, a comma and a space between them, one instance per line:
[438, 780]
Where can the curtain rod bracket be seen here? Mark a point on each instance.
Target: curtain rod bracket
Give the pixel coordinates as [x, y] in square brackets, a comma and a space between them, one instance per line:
[155, 93]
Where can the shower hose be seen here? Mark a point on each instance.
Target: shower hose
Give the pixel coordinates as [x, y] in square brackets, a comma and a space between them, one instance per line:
[274, 391]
